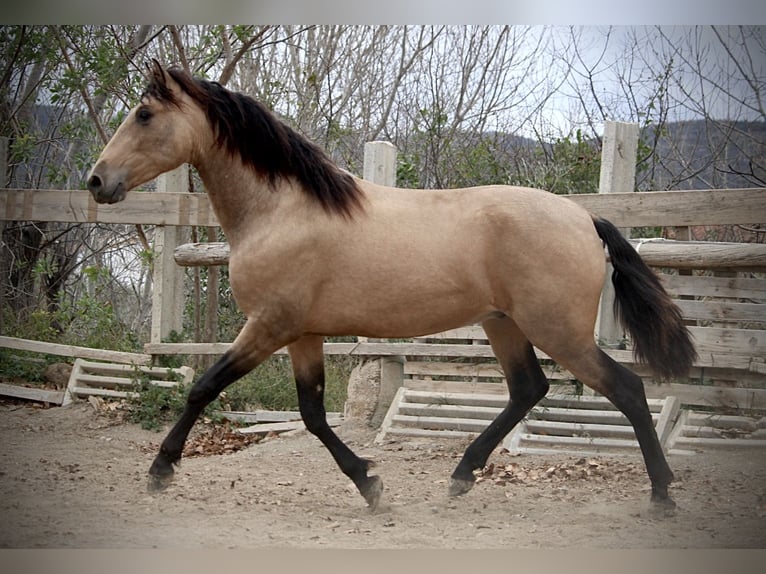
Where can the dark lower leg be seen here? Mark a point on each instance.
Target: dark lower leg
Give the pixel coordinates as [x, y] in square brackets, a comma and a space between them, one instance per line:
[527, 385]
[204, 391]
[626, 392]
[311, 401]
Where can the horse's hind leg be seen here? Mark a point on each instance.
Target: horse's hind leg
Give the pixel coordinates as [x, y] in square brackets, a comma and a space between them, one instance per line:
[307, 358]
[625, 390]
[526, 384]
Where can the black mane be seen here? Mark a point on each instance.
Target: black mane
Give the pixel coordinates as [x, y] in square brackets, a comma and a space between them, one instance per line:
[270, 147]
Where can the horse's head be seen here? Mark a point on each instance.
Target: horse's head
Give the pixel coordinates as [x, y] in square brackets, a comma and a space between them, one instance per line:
[157, 136]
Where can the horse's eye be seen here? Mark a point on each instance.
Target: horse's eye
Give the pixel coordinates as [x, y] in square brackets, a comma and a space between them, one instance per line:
[143, 115]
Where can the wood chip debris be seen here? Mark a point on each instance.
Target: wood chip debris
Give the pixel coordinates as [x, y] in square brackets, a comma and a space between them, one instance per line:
[587, 469]
[218, 439]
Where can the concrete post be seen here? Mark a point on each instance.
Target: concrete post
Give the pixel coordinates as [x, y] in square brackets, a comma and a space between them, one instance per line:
[391, 379]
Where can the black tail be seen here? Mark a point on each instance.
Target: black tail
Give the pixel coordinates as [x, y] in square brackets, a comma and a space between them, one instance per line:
[644, 308]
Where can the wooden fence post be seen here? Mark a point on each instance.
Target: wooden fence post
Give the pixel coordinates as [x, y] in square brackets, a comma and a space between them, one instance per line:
[168, 285]
[618, 175]
[380, 163]
[380, 168]
[4, 261]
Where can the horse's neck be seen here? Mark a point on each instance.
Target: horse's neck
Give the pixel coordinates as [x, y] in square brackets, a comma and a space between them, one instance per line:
[236, 194]
[243, 201]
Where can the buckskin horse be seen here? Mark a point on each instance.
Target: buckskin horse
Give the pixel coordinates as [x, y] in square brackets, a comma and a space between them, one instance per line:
[317, 252]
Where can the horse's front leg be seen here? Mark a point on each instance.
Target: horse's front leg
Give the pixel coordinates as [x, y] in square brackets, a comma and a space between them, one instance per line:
[307, 357]
[248, 350]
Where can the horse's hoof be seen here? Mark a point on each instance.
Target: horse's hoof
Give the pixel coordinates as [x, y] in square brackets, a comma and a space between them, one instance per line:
[158, 483]
[371, 490]
[458, 486]
[664, 507]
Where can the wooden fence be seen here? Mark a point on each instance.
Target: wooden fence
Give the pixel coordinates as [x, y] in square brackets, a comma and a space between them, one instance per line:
[718, 285]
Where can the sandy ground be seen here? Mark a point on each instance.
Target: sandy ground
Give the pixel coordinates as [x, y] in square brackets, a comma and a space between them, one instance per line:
[74, 478]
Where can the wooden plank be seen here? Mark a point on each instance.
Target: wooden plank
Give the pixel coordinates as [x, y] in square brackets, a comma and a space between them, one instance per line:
[580, 452]
[374, 349]
[99, 392]
[425, 350]
[567, 428]
[186, 373]
[665, 208]
[655, 252]
[651, 208]
[439, 398]
[221, 348]
[261, 416]
[580, 415]
[441, 423]
[470, 387]
[748, 342]
[89, 378]
[702, 443]
[32, 394]
[202, 254]
[73, 351]
[429, 433]
[715, 357]
[591, 402]
[448, 369]
[723, 311]
[703, 286]
[702, 254]
[75, 206]
[668, 416]
[419, 369]
[120, 381]
[454, 411]
[617, 175]
[721, 421]
[167, 284]
[282, 426]
[709, 395]
[469, 332]
[593, 442]
[386, 425]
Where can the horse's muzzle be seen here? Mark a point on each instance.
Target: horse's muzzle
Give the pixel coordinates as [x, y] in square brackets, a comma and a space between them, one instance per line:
[104, 193]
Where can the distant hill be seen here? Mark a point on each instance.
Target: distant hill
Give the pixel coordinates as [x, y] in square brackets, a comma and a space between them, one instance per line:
[703, 154]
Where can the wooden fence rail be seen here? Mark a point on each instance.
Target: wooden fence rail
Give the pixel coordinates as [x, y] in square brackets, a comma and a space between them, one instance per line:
[656, 252]
[650, 208]
[716, 307]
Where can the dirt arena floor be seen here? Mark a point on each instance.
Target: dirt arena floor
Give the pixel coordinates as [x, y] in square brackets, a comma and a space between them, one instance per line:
[75, 477]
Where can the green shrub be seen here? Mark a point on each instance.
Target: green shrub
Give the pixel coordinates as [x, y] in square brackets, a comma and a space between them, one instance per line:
[154, 406]
[271, 386]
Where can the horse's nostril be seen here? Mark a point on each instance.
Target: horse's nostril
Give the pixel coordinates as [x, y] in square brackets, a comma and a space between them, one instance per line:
[94, 183]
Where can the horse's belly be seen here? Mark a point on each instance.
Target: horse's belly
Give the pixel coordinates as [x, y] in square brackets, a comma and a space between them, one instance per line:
[397, 308]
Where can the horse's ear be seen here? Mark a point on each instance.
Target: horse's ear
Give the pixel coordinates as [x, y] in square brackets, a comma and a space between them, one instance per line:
[155, 72]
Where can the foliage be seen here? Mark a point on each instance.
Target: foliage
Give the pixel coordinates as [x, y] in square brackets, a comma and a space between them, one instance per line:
[271, 386]
[153, 406]
[24, 366]
[571, 164]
